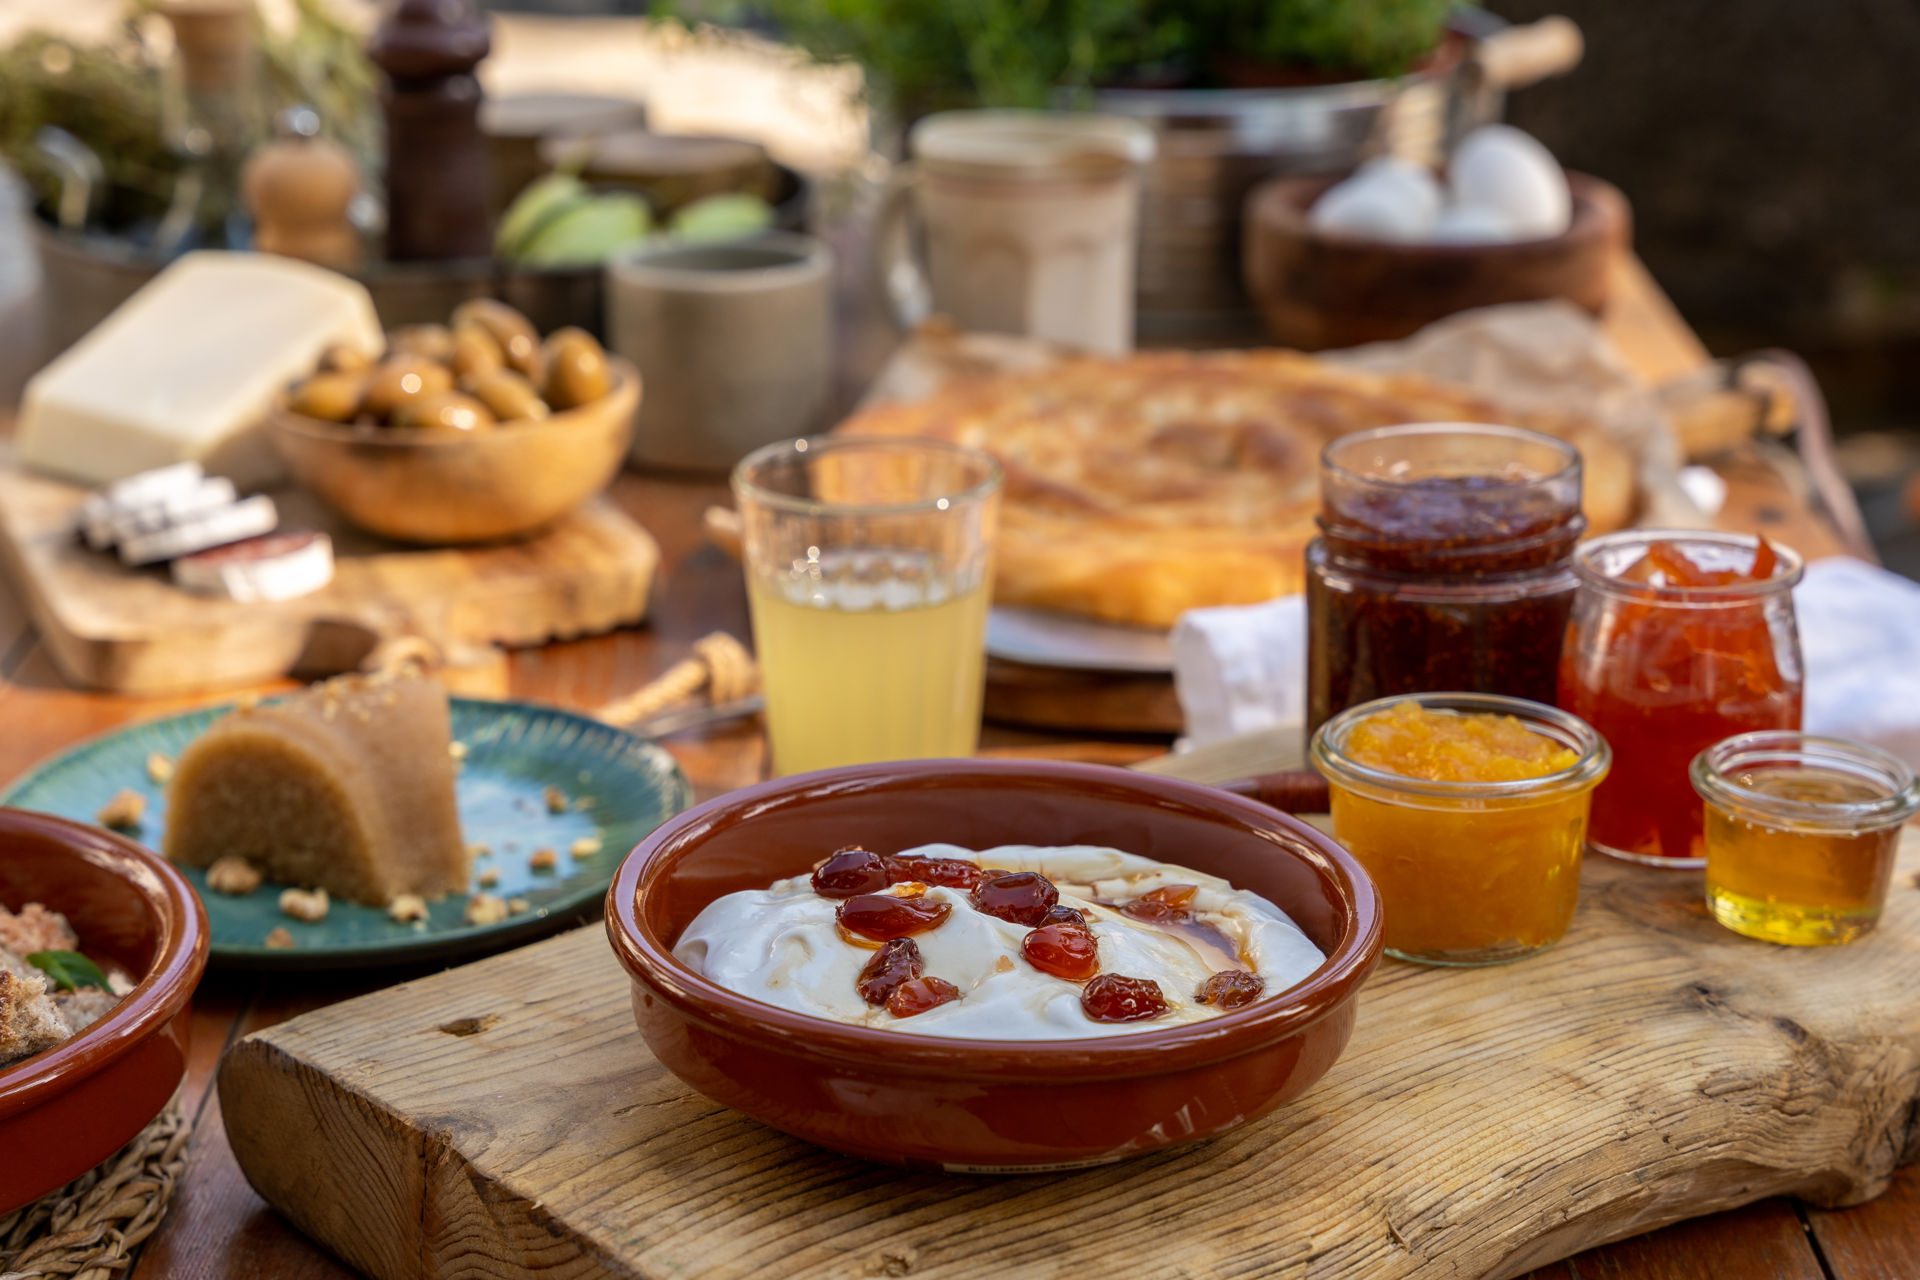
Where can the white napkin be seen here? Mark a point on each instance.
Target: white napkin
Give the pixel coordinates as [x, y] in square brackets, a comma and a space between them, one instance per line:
[1241, 667]
[1244, 667]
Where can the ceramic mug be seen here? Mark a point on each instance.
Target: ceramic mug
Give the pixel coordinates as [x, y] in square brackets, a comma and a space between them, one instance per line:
[734, 342]
[1029, 219]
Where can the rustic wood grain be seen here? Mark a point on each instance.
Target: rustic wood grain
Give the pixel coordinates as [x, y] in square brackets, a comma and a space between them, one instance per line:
[1483, 1122]
[133, 631]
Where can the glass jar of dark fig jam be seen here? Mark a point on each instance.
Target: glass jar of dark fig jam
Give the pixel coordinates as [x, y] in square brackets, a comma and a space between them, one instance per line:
[1443, 564]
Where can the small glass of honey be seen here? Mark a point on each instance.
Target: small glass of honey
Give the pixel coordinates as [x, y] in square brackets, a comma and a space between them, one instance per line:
[1801, 834]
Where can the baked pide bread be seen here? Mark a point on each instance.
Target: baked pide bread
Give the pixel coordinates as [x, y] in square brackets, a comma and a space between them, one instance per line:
[1141, 487]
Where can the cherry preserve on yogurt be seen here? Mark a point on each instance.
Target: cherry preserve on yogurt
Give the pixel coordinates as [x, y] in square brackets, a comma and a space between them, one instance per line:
[1443, 564]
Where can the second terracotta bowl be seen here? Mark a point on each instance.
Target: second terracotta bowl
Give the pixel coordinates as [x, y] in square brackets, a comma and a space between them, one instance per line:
[990, 1106]
[67, 1109]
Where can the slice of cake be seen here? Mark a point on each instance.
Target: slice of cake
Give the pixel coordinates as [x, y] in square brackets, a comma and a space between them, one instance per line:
[347, 787]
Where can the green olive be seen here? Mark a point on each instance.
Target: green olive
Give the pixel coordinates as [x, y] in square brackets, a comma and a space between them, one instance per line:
[332, 396]
[475, 353]
[400, 379]
[341, 358]
[519, 340]
[434, 341]
[508, 395]
[577, 371]
[444, 411]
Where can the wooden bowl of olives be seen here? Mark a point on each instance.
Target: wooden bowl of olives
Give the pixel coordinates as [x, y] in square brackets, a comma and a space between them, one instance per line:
[474, 431]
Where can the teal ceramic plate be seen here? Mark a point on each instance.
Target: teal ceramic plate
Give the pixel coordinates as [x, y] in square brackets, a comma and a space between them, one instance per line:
[619, 787]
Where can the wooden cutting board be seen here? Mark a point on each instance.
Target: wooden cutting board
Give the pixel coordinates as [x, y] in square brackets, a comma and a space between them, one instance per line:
[506, 1119]
[132, 631]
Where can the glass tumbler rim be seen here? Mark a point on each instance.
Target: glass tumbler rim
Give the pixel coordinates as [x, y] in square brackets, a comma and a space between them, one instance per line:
[1595, 758]
[1711, 774]
[989, 481]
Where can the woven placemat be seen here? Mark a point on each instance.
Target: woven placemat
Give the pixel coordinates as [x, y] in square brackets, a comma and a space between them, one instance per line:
[89, 1229]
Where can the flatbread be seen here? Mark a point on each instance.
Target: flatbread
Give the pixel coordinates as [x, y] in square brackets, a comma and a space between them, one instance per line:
[1141, 487]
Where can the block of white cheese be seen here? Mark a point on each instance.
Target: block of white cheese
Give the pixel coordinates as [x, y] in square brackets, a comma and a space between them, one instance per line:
[185, 369]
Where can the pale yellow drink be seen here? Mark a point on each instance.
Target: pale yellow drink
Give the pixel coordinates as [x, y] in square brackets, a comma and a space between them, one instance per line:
[876, 668]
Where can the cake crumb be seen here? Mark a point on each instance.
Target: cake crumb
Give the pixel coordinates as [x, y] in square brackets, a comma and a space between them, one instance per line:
[309, 905]
[543, 860]
[407, 908]
[518, 906]
[124, 811]
[556, 800]
[280, 939]
[457, 749]
[484, 908]
[479, 851]
[585, 847]
[235, 877]
[159, 766]
[489, 878]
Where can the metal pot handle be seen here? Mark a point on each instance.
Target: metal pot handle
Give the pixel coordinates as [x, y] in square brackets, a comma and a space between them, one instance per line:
[897, 269]
[1524, 54]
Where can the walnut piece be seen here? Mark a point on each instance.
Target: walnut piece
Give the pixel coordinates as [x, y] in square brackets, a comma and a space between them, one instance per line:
[406, 908]
[543, 860]
[124, 811]
[489, 878]
[280, 939]
[159, 767]
[234, 876]
[585, 847]
[484, 908]
[556, 800]
[304, 904]
[518, 906]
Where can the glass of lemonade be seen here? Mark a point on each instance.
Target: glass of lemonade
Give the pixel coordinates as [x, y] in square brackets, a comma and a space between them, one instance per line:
[869, 565]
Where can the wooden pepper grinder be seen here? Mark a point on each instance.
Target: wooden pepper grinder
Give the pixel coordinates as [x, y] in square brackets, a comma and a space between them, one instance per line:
[299, 188]
[439, 178]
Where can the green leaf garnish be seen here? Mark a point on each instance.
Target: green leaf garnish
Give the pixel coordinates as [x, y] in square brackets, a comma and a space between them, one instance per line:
[69, 970]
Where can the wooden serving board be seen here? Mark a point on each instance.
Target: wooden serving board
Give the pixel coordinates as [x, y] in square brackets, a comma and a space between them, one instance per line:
[132, 631]
[506, 1119]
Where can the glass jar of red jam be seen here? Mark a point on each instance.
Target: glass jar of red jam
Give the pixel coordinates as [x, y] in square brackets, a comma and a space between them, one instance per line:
[1679, 639]
[1443, 563]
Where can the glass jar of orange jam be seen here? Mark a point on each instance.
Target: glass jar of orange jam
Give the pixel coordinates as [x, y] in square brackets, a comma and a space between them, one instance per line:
[1470, 813]
[1801, 834]
[1678, 639]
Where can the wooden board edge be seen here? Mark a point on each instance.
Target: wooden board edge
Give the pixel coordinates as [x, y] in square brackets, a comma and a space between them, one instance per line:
[442, 1213]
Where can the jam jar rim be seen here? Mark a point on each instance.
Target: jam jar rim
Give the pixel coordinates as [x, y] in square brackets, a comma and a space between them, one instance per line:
[1572, 459]
[1328, 751]
[1712, 773]
[1786, 575]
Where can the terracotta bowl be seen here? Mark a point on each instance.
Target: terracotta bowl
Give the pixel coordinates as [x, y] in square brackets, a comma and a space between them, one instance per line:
[443, 487]
[66, 1110]
[1317, 290]
[989, 1106]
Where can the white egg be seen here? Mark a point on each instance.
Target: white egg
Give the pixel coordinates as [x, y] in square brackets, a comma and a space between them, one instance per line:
[1384, 199]
[1499, 167]
[1472, 224]
[1417, 183]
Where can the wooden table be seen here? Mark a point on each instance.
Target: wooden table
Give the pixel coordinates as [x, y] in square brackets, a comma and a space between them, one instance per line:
[218, 1228]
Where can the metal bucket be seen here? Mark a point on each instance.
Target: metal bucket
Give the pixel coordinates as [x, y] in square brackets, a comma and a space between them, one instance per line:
[1215, 145]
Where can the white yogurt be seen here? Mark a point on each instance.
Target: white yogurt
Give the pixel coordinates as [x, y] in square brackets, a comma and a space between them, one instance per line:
[781, 945]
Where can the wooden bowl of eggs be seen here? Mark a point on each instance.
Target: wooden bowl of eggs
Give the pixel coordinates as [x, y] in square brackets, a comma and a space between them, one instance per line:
[1387, 250]
[474, 431]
